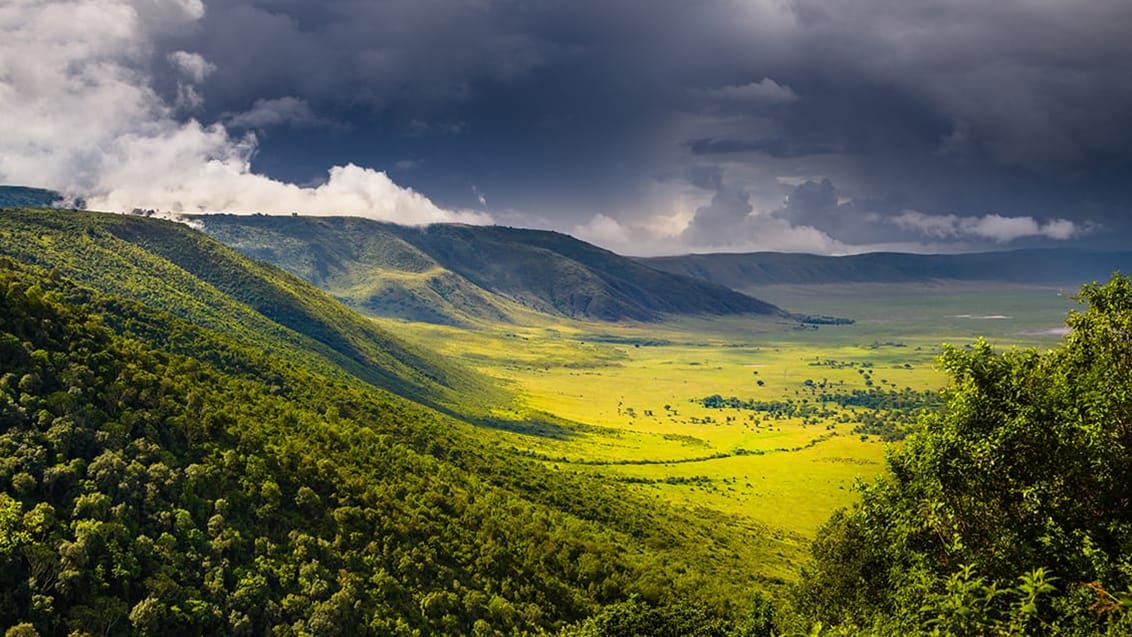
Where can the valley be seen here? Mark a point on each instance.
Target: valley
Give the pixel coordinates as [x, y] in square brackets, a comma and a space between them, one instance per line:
[633, 395]
[512, 463]
[565, 319]
[622, 401]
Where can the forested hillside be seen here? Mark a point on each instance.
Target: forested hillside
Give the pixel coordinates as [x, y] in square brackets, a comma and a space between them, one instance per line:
[24, 196]
[172, 268]
[451, 273]
[166, 470]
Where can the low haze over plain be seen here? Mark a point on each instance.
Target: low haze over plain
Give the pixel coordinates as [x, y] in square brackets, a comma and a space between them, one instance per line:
[645, 126]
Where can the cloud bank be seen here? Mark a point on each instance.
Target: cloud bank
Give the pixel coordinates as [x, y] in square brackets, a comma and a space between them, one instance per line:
[79, 114]
[997, 228]
[938, 126]
[815, 217]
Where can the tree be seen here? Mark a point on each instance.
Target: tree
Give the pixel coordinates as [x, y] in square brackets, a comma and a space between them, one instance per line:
[635, 617]
[1027, 466]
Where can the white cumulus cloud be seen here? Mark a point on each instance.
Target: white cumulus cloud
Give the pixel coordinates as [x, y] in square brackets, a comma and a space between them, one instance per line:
[192, 65]
[995, 227]
[605, 231]
[79, 114]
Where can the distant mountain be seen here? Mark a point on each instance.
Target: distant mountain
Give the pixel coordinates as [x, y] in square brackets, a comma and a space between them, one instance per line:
[23, 196]
[451, 273]
[748, 271]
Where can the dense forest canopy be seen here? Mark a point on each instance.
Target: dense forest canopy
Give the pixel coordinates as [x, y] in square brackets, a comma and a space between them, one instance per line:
[164, 476]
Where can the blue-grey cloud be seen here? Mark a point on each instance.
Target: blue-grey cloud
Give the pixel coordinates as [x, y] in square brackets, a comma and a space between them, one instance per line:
[571, 112]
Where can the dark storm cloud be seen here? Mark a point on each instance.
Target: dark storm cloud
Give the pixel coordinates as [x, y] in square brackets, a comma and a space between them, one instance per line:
[430, 55]
[781, 147]
[371, 53]
[714, 123]
[1030, 83]
[534, 99]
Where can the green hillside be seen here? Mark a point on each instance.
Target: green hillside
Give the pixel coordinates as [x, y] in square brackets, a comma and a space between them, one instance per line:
[24, 196]
[556, 272]
[363, 264]
[450, 273]
[168, 467]
[749, 271]
[170, 267]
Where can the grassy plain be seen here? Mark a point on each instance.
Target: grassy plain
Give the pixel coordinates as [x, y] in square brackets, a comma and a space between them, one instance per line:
[626, 395]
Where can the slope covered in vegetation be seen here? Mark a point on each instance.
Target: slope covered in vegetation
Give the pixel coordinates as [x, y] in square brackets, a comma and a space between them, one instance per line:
[1010, 511]
[24, 196]
[363, 264]
[173, 268]
[163, 471]
[449, 272]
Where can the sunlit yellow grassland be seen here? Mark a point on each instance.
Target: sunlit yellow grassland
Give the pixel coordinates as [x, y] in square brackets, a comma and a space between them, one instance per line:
[627, 395]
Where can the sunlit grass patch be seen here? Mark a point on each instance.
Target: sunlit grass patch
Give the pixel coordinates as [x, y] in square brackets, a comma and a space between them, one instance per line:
[634, 394]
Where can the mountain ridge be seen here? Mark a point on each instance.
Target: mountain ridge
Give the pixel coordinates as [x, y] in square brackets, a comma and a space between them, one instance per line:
[198, 279]
[748, 271]
[458, 273]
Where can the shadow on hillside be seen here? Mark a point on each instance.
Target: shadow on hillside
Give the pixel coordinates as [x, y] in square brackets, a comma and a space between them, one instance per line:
[531, 427]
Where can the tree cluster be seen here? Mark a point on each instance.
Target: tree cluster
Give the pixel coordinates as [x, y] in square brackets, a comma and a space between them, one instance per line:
[1010, 511]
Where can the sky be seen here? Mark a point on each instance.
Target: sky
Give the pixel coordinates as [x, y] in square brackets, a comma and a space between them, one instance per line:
[645, 126]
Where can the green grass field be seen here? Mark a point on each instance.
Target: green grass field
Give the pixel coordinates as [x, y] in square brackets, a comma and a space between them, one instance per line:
[626, 395]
